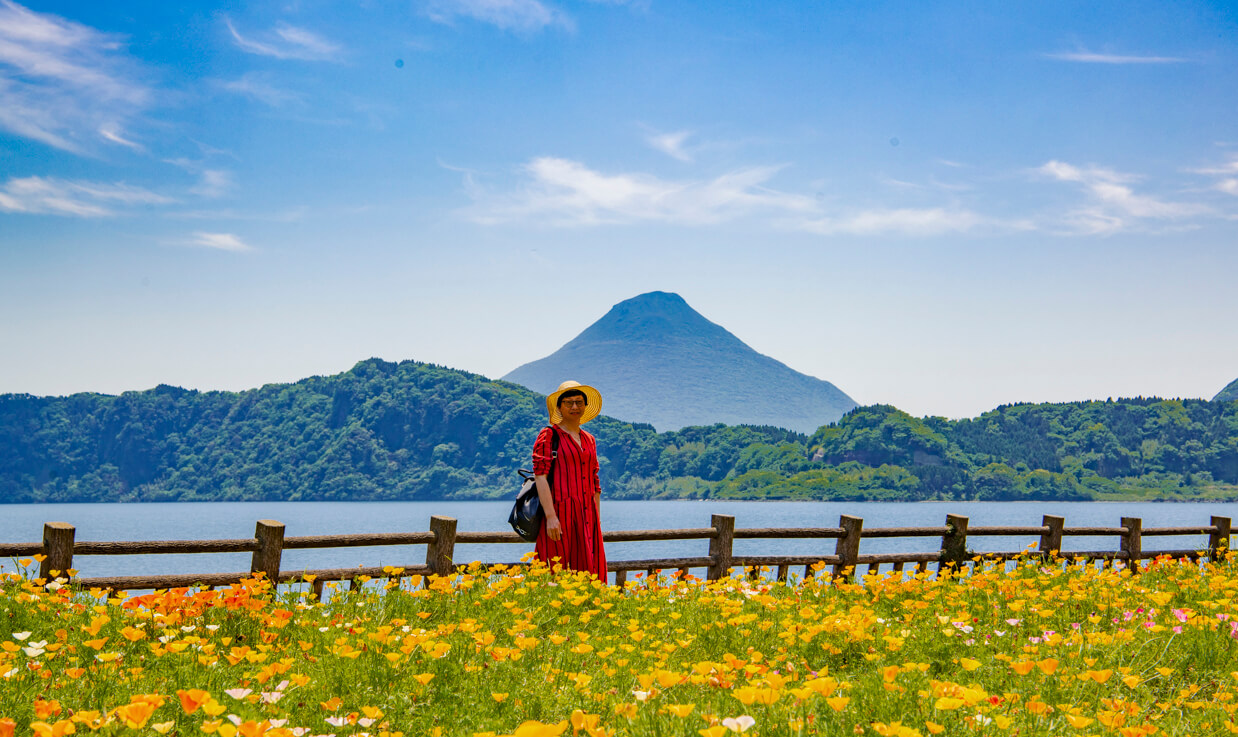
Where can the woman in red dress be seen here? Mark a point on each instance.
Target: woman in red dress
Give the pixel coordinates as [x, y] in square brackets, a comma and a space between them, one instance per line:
[571, 533]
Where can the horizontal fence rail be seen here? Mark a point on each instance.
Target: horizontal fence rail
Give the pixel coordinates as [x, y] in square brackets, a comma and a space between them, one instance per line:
[58, 549]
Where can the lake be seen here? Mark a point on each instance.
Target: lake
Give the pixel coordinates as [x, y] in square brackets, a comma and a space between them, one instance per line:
[212, 520]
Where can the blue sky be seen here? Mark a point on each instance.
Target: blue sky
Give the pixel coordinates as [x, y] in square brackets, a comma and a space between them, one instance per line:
[943, 206]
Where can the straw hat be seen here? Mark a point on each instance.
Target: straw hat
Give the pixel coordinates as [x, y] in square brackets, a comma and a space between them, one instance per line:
[592, 408]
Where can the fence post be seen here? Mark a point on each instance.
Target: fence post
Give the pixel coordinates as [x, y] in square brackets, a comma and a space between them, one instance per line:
[1051, 541]
[57, 550]
[720, 546]
[440, 553]
[270, 535]
[847, 548]
[1132, 542]
[1218, 542]
[953, 544]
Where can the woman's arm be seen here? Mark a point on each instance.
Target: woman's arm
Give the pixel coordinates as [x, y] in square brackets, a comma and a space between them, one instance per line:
[543, 462]
[553, 530]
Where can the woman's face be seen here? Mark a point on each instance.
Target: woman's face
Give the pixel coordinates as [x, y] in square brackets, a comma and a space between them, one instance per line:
[572, 408]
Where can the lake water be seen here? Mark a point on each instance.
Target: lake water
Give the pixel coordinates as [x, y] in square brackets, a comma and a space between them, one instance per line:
[214, 520]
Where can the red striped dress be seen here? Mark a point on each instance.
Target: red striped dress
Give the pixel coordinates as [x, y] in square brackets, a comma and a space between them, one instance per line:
[574, 489]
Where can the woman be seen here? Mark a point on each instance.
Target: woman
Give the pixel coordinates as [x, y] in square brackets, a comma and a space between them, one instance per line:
[571, 533]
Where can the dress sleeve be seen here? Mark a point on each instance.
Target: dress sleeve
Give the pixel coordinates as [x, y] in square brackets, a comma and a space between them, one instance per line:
[543, 452]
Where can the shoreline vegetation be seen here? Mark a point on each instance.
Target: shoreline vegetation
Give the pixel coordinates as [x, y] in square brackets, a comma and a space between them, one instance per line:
[414, 431]
[1043, 647]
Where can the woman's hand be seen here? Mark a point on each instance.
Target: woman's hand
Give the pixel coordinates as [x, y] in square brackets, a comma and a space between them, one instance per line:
[553, 530]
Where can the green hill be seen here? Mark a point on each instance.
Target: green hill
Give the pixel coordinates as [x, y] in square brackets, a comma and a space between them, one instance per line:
[657, 360]
[388, 431]
[1229, 393]
[380, 431]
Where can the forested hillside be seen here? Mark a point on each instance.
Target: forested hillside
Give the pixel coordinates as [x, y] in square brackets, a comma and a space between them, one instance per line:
[418, 431]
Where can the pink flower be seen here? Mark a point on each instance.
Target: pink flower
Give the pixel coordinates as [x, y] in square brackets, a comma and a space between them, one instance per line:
[1181, 615]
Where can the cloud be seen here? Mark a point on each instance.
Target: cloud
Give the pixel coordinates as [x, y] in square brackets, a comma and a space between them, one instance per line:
[564, 192]
[214, 183]
[1115, 205]
[50, 196]
[1228, 173]
[1088, 57]
[219, 241]
[287, 42]
[907, 221]
[255, 88]
[111, 133]
[1228, 168]
[671, 144]
[63, 83]
[524, 16]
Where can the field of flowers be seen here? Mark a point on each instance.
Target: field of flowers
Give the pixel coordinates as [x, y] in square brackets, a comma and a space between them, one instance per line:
[1043, 648]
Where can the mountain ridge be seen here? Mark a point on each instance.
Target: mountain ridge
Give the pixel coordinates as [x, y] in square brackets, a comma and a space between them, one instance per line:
[657, 360]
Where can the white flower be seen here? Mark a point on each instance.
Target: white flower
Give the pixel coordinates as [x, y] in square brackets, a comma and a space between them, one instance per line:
[270, 697]
[212, 627]
[238, 693]
[278, 723]
[234, 719]
[739, 723]
[192, 627]
[10, 674]
[365, 721]
[642, 695]
[20, 636]
[33, 652]
[335, 721]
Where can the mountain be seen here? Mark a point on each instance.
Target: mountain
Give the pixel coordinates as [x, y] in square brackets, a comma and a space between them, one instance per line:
[1228, 394]
[657, 360]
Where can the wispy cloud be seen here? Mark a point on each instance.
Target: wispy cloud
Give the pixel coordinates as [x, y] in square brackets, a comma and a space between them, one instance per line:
[112, 133]
[524, 16]
[214, 183]
[50, 196]
[906, 221]
[1226, 173]
[1114, 205]
[564, 192]
[671, 144]
[219, 241]
[287, 42]
[255, 87]
[1090, 57]
[62, 83]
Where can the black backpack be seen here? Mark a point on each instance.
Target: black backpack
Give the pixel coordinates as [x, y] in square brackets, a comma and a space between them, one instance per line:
[526, 516]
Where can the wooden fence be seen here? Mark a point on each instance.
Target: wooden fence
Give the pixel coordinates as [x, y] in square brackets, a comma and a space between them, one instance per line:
[59, 548]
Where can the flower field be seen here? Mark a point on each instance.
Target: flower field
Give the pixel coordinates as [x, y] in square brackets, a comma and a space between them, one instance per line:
[1038, 649]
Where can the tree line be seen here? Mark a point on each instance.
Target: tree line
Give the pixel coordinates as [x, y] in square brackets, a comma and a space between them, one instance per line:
[409, 430]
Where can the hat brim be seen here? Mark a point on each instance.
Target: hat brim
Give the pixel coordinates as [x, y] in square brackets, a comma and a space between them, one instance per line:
[593, 407]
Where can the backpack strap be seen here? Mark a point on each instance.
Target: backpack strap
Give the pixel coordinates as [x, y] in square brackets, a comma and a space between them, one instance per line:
[554, 447]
